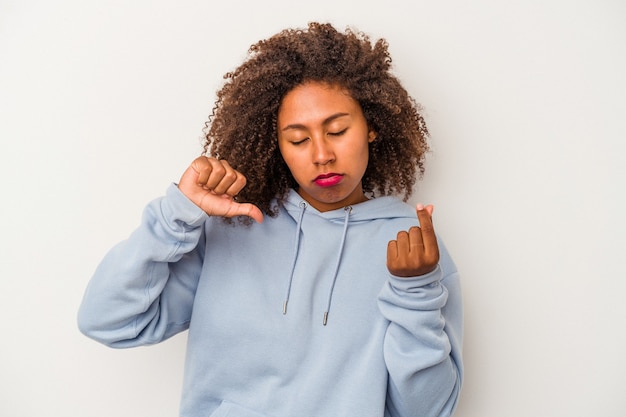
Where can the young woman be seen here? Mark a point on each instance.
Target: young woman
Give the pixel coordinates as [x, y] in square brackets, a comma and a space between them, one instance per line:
[308, 289]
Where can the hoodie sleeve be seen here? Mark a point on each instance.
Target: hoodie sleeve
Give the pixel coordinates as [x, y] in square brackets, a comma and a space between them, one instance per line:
[423, 343]
[142, 292]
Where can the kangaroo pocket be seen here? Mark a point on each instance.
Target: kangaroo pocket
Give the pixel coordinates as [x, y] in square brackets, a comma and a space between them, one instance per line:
[227, 409]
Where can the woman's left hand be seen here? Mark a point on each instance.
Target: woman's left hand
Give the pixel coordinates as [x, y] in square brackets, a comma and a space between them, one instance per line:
[414, 252]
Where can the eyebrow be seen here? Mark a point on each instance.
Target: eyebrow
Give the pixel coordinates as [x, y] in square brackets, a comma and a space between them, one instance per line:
[326, 121]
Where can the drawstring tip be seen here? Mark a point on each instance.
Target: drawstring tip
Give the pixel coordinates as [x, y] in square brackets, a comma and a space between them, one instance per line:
[325, 318]
[285, 308]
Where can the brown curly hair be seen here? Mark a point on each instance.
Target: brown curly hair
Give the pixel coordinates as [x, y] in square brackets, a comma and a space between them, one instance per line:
[242, 126]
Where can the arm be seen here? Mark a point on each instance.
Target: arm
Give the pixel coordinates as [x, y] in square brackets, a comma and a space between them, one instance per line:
[422, 348]
[143, 290]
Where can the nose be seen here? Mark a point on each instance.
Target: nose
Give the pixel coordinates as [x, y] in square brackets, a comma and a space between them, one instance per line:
[322, 152]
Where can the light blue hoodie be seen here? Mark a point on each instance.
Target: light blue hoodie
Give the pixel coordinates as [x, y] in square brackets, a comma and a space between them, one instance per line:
[352, 340]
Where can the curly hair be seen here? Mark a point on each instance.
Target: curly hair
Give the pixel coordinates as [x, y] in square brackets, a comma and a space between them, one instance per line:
[243, 125]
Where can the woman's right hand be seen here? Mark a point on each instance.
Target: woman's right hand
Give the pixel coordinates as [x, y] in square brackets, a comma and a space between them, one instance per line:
[212, 184]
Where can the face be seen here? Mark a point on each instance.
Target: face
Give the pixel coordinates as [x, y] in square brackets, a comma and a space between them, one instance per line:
[323, 137]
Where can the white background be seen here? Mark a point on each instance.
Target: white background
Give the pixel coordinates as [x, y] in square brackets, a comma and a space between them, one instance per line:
[102, 106]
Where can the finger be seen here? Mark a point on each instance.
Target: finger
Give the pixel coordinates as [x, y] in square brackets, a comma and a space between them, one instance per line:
[189, 181]
[237, 185]
[392, 251]
[246, 209]
[216, 171]
[227, 178]
[218, 176]
[416, 243]
[403, 242]
[255, 213]
[429, 238]
[203, 168]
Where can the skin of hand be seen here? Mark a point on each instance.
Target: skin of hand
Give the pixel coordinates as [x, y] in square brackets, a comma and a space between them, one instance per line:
[212, 185]
[414, 252]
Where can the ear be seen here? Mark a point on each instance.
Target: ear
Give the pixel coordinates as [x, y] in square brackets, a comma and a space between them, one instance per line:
[371, 136]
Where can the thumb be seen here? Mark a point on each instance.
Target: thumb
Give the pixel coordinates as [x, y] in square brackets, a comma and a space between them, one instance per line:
[246, 209]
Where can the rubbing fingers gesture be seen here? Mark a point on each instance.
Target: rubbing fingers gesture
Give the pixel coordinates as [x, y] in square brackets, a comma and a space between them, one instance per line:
[414, 252]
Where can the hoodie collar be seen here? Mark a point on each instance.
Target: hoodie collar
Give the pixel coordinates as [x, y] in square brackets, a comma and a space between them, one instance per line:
[383, 207]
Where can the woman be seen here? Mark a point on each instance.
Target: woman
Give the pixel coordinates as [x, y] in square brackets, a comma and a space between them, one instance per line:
[338, 299]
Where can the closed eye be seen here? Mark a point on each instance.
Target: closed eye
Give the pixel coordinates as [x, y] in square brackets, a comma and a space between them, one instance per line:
[341, 132]
[299, 142]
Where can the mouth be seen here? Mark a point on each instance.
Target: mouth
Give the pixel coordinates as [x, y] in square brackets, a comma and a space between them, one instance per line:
[328, 180]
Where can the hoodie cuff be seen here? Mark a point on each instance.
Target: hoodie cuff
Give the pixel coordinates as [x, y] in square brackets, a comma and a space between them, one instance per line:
[416, 283]
[182, 209]
[422, 293]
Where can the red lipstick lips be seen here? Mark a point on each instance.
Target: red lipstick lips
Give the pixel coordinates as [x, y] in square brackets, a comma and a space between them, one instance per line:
[328, 180]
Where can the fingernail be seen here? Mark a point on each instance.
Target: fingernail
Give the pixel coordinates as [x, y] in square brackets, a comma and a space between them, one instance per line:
[420, 207]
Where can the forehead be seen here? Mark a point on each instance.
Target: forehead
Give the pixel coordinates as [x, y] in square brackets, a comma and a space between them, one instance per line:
[314, 102]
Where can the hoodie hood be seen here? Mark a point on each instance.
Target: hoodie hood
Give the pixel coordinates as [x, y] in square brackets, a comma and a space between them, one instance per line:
[374, 209]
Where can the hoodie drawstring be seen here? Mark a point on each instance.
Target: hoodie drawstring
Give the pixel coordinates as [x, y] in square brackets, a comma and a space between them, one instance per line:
[296, 250]
[303, 205]
[347, 210]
